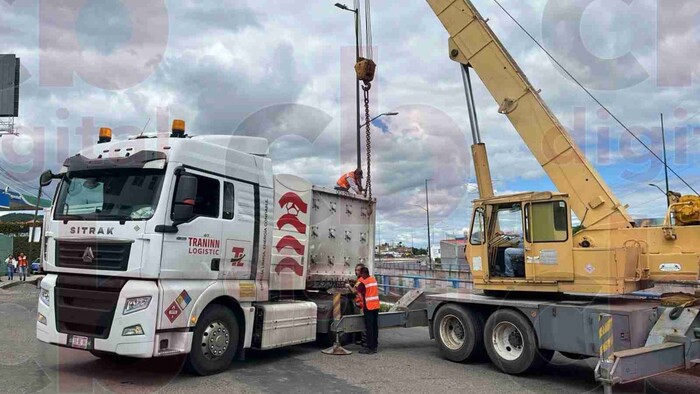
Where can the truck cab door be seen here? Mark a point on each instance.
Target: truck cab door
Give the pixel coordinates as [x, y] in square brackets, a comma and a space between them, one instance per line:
[548, 241]
[238, 230]
[194, 249]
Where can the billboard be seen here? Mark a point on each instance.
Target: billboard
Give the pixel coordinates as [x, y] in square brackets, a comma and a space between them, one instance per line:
[9, 86]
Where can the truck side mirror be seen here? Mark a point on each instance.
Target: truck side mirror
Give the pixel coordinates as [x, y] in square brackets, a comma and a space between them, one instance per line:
[185, 195]
[45, 178]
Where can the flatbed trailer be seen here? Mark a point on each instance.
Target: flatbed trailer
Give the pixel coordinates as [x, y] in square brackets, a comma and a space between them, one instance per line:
[633, 337]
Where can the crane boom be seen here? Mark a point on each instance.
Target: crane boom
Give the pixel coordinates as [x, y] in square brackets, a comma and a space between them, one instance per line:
[473, 43]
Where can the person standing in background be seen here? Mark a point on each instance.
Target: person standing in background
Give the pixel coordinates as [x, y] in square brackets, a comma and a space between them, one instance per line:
[10, 260]
[22, 263]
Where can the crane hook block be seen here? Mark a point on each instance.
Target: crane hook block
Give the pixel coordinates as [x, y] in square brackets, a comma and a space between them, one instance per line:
[365, 69]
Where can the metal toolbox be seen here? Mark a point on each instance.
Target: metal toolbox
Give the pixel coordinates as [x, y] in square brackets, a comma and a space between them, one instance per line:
[284, 323]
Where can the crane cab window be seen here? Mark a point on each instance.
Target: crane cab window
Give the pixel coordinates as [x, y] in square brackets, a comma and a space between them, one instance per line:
[476, 235]
[547, 222]
[506, 247]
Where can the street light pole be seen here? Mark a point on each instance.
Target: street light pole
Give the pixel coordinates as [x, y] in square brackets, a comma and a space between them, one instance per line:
[427, 217]
[356, 11]
[377, 117]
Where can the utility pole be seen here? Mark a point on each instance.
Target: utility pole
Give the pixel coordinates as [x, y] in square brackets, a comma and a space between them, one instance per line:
[427, 218]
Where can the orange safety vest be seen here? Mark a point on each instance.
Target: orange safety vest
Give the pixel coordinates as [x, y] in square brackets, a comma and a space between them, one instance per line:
[371, 293]
[359, 302]
[343, 180]
[22, 261]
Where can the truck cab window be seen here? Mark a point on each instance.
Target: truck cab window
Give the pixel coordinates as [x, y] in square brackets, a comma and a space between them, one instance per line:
[207, 201]
[229, 201]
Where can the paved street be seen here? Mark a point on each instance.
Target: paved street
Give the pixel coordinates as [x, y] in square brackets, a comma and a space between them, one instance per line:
[408, 362]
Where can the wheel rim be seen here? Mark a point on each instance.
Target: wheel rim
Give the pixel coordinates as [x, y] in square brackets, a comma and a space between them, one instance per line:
[215, 340]
[507, 341]
[452, 332]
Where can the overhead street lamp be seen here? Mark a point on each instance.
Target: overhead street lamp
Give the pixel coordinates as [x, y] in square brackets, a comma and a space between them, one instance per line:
[356, 11]
[379, 116]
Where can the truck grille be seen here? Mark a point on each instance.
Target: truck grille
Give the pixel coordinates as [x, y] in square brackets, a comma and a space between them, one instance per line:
[112, 256]
[85, 305]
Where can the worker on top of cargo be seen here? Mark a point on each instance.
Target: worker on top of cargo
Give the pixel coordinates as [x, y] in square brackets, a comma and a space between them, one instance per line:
[370, 296]
[352, 179]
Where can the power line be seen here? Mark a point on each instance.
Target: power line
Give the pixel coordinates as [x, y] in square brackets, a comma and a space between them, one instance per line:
[593, 97]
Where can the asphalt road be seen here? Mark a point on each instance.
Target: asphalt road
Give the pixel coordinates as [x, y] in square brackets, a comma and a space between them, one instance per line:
[408, 362]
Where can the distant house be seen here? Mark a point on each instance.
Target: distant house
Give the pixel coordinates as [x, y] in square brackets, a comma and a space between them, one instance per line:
[452, 254]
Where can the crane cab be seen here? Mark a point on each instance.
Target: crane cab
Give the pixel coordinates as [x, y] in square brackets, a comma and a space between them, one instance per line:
[521, 241]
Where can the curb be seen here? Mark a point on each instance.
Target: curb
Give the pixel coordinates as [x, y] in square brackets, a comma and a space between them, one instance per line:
[7, 285]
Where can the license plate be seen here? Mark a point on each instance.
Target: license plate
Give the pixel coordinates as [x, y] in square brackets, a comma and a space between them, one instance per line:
[79, 342]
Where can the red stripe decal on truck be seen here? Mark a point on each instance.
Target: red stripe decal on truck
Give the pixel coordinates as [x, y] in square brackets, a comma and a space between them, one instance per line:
[289, 263]
[292, 200]
[290, 242]
[288, 218]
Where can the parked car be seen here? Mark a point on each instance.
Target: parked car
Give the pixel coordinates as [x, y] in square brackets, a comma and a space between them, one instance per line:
[36, 267]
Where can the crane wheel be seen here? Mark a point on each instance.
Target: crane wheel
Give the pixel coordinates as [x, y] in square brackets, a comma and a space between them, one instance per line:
[511, 343]
[459, 332]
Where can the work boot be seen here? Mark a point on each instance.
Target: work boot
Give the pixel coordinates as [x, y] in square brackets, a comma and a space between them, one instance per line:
[367, 351]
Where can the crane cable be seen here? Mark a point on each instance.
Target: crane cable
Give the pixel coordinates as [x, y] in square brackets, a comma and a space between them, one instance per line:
[594, 98]
[366, 87]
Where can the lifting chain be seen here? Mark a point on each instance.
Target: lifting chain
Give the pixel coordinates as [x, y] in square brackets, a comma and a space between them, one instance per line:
[368, 185]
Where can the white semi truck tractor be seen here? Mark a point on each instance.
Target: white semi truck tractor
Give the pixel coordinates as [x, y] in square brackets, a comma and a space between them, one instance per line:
[168, 244]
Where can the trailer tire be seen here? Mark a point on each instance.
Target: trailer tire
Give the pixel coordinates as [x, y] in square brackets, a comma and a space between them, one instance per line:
[215, 341]
[511, 343]
[459, 332]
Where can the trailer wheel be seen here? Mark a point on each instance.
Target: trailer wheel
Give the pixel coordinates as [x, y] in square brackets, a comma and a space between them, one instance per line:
[511, 343]
[214, 342]
[459, 332]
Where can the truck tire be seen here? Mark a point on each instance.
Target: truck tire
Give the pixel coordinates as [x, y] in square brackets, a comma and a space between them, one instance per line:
[511, 343]
[459, 332]
[214, 342]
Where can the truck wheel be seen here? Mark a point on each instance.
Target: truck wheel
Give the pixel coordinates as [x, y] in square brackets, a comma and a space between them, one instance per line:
[459, 332]
[214, 342]
[511, 343]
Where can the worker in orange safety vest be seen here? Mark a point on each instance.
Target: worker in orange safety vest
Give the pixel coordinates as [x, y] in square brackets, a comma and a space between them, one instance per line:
[370, 296]
[352, 179]
[359, 302]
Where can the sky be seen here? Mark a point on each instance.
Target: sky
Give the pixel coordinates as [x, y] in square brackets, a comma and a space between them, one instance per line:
[284, 71]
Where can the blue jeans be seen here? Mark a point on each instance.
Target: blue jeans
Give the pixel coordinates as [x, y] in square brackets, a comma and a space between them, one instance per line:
[509, 255]
[22, 273]
[10, 272]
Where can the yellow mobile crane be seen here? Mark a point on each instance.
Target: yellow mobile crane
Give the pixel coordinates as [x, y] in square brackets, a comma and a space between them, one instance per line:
[610, 255]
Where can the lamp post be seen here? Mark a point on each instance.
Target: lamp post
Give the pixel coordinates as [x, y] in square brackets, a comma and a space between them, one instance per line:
[427, 219]
[356, 11]
[377, 117]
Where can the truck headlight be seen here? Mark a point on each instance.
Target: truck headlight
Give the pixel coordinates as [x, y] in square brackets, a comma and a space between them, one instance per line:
[132, 330]
[45, 297]
[136, 304]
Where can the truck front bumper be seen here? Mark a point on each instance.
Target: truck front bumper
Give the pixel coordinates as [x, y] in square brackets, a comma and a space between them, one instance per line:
[140, 346]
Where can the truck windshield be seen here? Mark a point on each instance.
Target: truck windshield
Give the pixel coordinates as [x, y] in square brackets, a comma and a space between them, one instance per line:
[109, 195]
